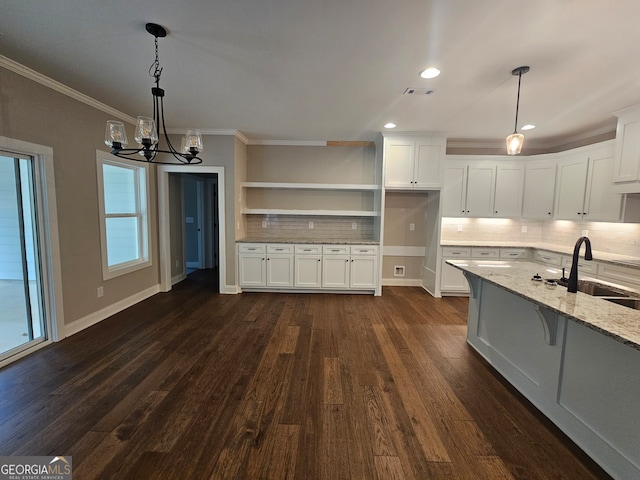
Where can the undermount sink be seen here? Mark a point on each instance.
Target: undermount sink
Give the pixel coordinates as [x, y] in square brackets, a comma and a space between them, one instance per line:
[605, 292]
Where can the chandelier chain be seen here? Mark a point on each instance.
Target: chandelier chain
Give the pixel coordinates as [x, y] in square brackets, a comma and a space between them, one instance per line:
[155, 70]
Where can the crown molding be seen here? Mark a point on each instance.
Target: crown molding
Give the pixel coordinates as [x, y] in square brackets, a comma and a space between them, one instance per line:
[299, 143]
[223, 132]
[26, 72]
[534, 144]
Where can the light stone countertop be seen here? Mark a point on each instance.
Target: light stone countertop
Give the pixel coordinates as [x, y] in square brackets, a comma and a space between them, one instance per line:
[308, 241]
[614, 258]
[616, 321]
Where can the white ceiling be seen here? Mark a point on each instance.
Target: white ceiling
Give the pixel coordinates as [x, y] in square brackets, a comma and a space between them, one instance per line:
[336, 69]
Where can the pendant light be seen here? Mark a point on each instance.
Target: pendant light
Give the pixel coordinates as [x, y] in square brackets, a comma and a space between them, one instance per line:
[515, 140]
[148, 128]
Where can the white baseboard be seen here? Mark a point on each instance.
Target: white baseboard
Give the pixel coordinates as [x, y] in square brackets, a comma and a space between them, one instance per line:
[401, 282]
[230, 289]
[178, 278]
[96, 317]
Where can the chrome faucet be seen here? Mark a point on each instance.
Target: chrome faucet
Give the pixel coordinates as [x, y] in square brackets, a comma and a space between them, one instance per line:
[572, 286]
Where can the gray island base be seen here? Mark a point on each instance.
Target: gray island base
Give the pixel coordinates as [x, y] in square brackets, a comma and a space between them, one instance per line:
[573, 356]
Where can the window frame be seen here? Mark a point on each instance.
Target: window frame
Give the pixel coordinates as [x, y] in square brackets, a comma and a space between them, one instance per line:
[142, 214]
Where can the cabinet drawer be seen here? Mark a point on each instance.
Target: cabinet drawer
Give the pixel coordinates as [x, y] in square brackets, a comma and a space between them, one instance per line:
[335, 249]
[584, 266]
[279, 248]
[453, 252]
[485, 253]
[251, 248]
[513, 253]
[308, 249]
[364, 250]
[629, 277]
[548, 258]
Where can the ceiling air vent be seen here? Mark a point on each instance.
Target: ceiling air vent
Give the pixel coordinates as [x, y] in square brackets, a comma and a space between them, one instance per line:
[418, 91]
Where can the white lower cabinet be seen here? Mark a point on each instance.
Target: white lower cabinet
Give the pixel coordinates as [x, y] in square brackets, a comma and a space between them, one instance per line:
[452, 281]
[335, 271]
[364, 267]
[329, 267]
[308, 266]
[252, 269]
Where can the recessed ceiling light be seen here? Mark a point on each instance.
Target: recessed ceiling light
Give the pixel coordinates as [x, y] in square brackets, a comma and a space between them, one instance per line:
[431, 72]
[390, 125]
[527, 127]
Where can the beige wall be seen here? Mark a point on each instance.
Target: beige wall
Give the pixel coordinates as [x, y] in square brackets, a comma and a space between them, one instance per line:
[34, 113]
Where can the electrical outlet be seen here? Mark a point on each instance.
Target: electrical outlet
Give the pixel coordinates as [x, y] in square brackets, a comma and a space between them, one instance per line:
[459, 228]
[100, 292]
[177, 263]
[585, 233]
[310, 225]
[412, 226]
[354, 226]
[524, 229]
[264, 224]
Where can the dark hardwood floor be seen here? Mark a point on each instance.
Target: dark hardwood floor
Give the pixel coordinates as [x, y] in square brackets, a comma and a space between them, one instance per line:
[195, 385]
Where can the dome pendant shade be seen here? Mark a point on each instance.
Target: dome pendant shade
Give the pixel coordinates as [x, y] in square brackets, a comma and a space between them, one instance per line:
[516, 140]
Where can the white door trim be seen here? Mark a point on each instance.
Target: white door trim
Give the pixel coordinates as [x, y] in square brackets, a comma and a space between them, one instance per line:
[164, 242]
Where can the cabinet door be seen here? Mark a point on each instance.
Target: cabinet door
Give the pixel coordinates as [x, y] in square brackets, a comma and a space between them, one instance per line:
[426, 172]
[508, 197]
[363, 271]
[453, 191]
[601, 204]
[252, 270]
[398, 164]
[539, 191]
[570, 189]
[480, 191]
[308, 271]
[452, 279]
[280, 270]
[335, 271]
[627, 161]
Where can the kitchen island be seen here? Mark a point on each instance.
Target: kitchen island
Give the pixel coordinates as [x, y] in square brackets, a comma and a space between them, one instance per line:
[574, 356]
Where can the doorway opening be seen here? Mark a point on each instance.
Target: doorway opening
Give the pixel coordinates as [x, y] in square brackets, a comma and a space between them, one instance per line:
[191, 224]
[200, 226]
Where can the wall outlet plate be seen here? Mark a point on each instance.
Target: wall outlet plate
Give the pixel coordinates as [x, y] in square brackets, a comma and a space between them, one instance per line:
[310, 225]
[354, 226]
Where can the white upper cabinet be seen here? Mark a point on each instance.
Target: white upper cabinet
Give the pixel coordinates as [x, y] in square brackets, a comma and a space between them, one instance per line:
[571, 185]
[482, 189]
[539, 190]
[413, 161]
[454, 191]
[508, 197]
[584, 189]
[626, 171]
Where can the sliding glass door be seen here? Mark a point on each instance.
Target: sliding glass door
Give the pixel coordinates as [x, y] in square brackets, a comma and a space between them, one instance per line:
[22, 322]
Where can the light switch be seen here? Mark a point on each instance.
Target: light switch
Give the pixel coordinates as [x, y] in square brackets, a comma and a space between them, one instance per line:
[412, 226]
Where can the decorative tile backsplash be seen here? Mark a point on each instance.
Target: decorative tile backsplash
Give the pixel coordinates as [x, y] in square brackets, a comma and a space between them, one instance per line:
[619, 238]
[298, 227]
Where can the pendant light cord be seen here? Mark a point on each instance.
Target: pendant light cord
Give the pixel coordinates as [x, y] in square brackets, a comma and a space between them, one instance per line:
[515, 126]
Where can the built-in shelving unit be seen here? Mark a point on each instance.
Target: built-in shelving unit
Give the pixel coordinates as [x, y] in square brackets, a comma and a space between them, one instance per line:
[337, 181]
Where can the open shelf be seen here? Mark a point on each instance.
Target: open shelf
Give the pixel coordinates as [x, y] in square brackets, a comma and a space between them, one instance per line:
[312, 186]
[336, 213]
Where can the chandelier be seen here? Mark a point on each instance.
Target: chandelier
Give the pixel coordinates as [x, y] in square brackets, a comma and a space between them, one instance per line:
[515, 140]
[148, 129]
